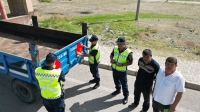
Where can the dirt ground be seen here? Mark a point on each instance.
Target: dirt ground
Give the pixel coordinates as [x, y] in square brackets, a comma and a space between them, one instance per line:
[184, 33]
[15, 45]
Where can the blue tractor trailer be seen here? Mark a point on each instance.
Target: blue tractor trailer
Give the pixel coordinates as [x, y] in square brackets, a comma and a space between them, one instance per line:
[21, 68]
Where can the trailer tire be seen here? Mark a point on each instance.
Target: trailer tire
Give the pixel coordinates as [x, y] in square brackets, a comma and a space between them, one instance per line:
[26, 92]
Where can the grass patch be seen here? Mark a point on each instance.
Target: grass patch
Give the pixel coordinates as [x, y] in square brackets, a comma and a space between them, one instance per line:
[119, 22]
[118, 25]
[165, 49]
[196, 51]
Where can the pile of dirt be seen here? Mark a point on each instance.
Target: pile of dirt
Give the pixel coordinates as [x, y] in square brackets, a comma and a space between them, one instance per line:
[20, 46]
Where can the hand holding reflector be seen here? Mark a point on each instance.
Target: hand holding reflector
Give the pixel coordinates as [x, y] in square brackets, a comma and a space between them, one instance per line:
[79, 48]
[57, 64]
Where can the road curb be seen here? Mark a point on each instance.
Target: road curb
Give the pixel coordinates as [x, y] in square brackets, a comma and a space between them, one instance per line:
[188, 84]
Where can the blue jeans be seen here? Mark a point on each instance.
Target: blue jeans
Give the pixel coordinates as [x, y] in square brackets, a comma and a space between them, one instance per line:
[120, 79]
[56, 105]
[94, 69]
[146, 95]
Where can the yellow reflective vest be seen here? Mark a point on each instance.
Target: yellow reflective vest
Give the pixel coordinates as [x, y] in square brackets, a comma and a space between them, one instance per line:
[91, 58]
[120, 58]
[48, 82]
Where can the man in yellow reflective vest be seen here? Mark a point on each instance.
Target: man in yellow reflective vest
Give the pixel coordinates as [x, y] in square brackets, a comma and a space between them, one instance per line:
[94, 60]
[49, 81]
[120, 58]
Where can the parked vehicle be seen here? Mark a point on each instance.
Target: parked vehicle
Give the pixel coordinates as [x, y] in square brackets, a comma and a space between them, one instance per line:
[24, 84]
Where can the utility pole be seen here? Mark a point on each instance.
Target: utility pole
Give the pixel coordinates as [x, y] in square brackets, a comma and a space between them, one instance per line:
[2, 10]
[137, 10]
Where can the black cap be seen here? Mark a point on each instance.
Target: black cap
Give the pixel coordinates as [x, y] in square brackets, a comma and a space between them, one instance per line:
[93, 38]
[51, 57]
[120, 40]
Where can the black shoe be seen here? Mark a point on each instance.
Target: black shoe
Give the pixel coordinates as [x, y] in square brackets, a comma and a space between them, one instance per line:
[96, 86]
[116, 92]
[125, 100]
[132, 105]
[143, 111]
[92, 81]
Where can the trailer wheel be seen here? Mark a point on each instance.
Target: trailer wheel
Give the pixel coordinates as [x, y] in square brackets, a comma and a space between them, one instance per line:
[26, 92]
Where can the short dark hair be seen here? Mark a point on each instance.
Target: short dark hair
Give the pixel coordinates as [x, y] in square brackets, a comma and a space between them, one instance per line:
[47, 61]
[147, 52]
[171, 60]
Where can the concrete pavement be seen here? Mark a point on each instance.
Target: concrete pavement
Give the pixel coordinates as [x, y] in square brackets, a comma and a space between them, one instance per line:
[81, 98]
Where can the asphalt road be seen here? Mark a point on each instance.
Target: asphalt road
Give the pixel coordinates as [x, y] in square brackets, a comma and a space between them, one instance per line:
[81, 98]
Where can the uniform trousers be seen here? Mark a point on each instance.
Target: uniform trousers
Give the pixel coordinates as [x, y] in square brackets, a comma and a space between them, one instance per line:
[54, 105]
[120, 79]
[94, 69]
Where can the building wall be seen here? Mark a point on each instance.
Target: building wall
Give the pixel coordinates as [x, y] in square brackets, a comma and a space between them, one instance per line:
[20, 7]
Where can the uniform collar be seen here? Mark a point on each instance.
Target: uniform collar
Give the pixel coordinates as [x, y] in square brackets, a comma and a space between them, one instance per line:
[123, 49]
[48, 67]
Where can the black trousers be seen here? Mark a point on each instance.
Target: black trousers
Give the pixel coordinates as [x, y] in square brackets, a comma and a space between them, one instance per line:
[120, 79]
[94, 69]
[56, 105]
[146, 91]
[158, 107]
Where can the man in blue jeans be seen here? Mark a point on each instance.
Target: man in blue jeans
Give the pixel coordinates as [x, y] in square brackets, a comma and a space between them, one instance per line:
[148, 67]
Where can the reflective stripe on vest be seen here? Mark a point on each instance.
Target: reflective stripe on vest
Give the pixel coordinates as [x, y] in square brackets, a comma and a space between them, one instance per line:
[120, 58]
[91, 58]
[48, 82]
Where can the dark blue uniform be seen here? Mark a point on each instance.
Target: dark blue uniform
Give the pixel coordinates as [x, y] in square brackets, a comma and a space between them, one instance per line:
[120, 78]
[94, 67]
[54, 105]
